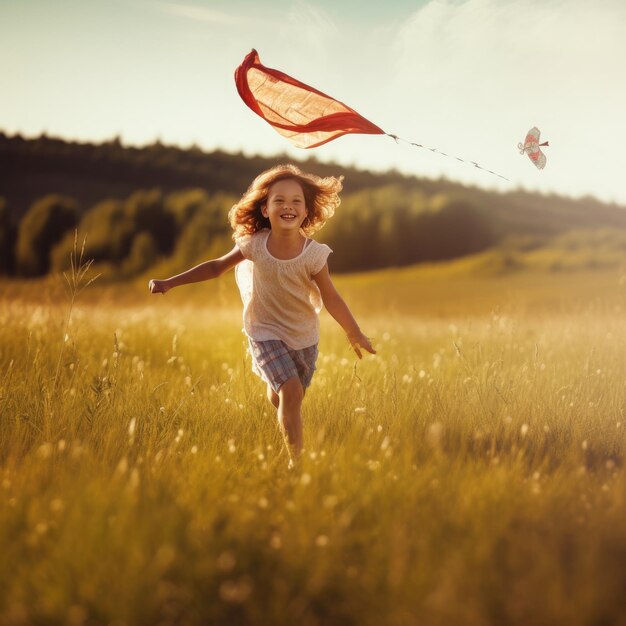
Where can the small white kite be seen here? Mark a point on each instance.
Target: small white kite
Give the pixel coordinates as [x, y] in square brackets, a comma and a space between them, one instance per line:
[532, 147]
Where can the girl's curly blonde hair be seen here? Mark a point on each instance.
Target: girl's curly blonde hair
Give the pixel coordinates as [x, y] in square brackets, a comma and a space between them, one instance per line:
[321, 197]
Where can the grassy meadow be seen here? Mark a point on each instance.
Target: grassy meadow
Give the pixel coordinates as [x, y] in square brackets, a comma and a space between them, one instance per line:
[470, 473]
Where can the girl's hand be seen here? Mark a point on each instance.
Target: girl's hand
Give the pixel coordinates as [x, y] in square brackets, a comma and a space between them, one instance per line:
[158, 286]
[359, 340]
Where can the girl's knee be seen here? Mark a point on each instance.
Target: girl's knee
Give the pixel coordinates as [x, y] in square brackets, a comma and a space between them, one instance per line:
[291, 391]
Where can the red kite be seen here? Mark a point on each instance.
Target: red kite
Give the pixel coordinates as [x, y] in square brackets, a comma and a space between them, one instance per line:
[301, 113]
[306, 116]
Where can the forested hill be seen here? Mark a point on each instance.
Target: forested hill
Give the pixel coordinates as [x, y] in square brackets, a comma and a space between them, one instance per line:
[139, 206]
[32, 168]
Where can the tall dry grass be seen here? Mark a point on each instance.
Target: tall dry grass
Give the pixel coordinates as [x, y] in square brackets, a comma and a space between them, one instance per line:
[469, 473]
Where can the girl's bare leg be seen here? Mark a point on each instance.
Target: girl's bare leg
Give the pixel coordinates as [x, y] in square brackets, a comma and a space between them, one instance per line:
[290, 397]
[272, 396]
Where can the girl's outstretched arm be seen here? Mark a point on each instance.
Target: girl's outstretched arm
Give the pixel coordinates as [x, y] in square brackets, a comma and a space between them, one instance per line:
[204, 271]
[337, 307]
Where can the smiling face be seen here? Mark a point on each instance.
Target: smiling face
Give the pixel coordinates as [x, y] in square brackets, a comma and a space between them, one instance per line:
[286, 206]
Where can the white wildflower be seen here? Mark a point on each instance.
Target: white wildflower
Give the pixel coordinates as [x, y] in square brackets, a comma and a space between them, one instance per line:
[134, 478]
[57, 505]
[433, 436]
[236, 592]
[44, 450]
[330, 501]
[226, 561]
[122, 466]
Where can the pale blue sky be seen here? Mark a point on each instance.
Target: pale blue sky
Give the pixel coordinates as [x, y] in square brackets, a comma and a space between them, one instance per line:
[467, 76]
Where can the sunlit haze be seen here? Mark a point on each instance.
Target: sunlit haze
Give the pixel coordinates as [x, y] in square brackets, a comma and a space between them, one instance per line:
[469, 78]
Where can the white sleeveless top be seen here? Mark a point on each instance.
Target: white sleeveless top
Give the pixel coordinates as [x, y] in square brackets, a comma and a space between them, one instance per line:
[280, 298]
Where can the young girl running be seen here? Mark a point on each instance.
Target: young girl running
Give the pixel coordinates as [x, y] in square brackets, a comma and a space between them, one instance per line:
[283, 279]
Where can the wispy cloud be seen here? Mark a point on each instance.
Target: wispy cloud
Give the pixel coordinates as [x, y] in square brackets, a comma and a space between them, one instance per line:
[311, 18]
[204, 14]
[311, 30]
[477, 74]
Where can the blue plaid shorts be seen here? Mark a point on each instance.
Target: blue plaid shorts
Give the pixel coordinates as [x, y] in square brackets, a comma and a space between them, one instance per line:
[275, 362]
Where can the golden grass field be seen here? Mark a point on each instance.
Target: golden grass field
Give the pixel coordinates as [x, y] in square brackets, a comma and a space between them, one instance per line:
[470, 473]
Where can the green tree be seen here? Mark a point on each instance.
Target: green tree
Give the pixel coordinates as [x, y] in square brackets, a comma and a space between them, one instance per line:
[146, 212]
[207, 233]
[8, 233]
[395, 226]
[184, 205]
[374, 228]
[108, 232]
[112, 226]
[452, 229]
[143, 253]
[44, 225]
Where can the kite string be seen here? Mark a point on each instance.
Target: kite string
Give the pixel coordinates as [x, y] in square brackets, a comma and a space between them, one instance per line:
[450, 156]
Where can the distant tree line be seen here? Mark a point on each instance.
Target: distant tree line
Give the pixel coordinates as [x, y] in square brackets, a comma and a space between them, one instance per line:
[32, 168]
[372, 229]
[390, 227]
[139, 206]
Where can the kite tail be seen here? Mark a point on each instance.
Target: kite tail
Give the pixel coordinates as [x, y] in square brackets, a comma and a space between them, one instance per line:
[419, 145]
